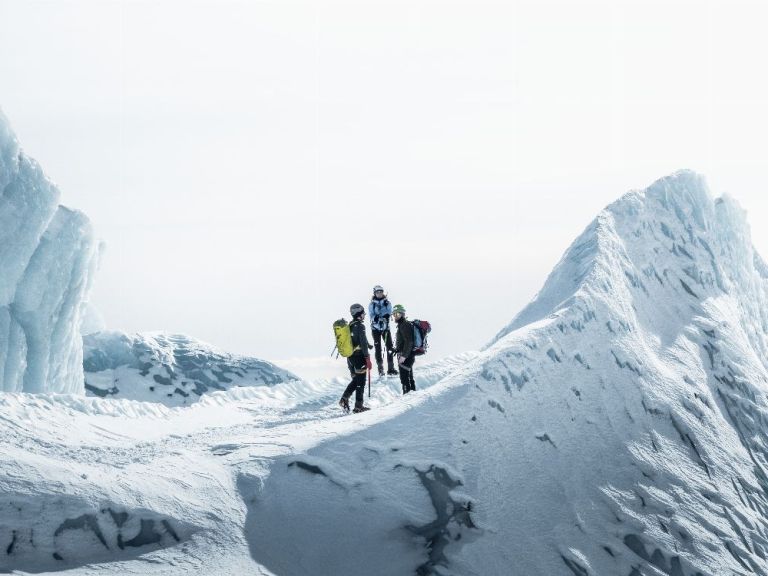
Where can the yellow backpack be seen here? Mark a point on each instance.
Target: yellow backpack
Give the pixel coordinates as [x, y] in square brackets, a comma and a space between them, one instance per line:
[343, 338]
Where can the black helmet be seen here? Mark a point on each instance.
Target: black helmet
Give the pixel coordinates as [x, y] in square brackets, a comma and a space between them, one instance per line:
[356, 310]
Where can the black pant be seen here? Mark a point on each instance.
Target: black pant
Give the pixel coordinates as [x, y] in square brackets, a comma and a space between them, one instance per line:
[386, 336]
[358, 371]
[406, 374]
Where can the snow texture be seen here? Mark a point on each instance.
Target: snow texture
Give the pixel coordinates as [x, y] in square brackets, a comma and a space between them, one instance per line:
[617, 427]
[47, 262]
[169, 368]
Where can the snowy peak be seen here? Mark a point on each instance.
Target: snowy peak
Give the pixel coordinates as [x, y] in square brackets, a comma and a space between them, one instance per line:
[641, 369]
[672, 236]
[681, 208]
[684, 193]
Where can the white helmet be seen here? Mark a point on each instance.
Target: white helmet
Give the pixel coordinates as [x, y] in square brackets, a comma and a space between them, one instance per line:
[377, 288]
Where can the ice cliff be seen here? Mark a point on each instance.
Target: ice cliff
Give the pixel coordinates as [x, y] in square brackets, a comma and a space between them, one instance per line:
[172, 369]
[47, 260]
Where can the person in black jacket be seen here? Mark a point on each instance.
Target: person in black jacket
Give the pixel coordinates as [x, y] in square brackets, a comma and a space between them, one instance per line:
[404, 349]
[360, 361]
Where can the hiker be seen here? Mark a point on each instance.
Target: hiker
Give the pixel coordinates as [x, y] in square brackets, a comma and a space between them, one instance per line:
[404, 348]
[359, 363]
[379, 311]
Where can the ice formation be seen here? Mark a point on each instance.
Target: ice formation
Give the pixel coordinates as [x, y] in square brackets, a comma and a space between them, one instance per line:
[169, 368]
[47, 261]
[616, 427]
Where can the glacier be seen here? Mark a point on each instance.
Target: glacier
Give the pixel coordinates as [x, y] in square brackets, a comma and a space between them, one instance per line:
[173, 369]
[615, 427]
[48, 257]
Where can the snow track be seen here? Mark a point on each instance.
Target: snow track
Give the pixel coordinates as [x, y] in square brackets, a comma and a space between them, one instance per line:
[173, 477]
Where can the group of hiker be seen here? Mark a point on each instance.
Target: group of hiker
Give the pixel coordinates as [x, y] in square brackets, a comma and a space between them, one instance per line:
[352, 342]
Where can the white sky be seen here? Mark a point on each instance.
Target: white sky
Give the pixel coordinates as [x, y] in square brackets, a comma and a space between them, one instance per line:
[256, 167]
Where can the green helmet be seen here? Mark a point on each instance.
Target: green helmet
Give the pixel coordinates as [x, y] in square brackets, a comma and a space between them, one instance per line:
[398, 308]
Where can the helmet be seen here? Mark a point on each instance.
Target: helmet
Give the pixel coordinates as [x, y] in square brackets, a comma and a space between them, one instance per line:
[377, 288]
[398, 309]
[356, 310]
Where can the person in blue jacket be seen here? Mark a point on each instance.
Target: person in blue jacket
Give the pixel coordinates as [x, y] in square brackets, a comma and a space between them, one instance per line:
[379, 311]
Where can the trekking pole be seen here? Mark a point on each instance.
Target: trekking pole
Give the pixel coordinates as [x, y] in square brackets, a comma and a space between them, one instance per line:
[369, 383]
[334, 350]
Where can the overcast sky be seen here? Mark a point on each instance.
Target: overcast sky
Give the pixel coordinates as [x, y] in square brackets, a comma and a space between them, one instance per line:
[256, 167]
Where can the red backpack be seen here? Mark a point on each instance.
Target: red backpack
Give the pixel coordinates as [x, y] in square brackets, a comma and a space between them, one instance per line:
[421, 328]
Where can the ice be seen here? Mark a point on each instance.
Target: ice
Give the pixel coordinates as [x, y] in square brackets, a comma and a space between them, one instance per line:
[27, 206]
[47, 259]
[172, 369]
[617, 427]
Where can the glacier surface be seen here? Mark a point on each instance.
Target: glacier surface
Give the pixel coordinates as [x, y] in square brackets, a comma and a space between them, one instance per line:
[616, 427]
[48, 257]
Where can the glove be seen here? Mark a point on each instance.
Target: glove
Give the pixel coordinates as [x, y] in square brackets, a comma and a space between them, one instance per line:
[400, 359]
[375, 318]
[386, 316]
[368, 364]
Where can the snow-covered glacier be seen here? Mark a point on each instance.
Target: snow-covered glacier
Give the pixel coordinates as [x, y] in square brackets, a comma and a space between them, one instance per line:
[615, 427]
[48, 256]
[172, 369]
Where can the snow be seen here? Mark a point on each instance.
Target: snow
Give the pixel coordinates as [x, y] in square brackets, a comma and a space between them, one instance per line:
[173, 369]
[637, 368]
[194, 467]
[615, 427]
[48, 259]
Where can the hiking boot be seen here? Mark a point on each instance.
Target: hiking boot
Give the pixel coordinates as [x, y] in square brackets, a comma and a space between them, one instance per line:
[344, 403]
[392, 372]
[360, 409]
[381, 370]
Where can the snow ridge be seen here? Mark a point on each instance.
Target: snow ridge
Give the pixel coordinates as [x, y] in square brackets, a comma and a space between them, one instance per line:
[652, 381]
[616, 427]
[169, 368]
